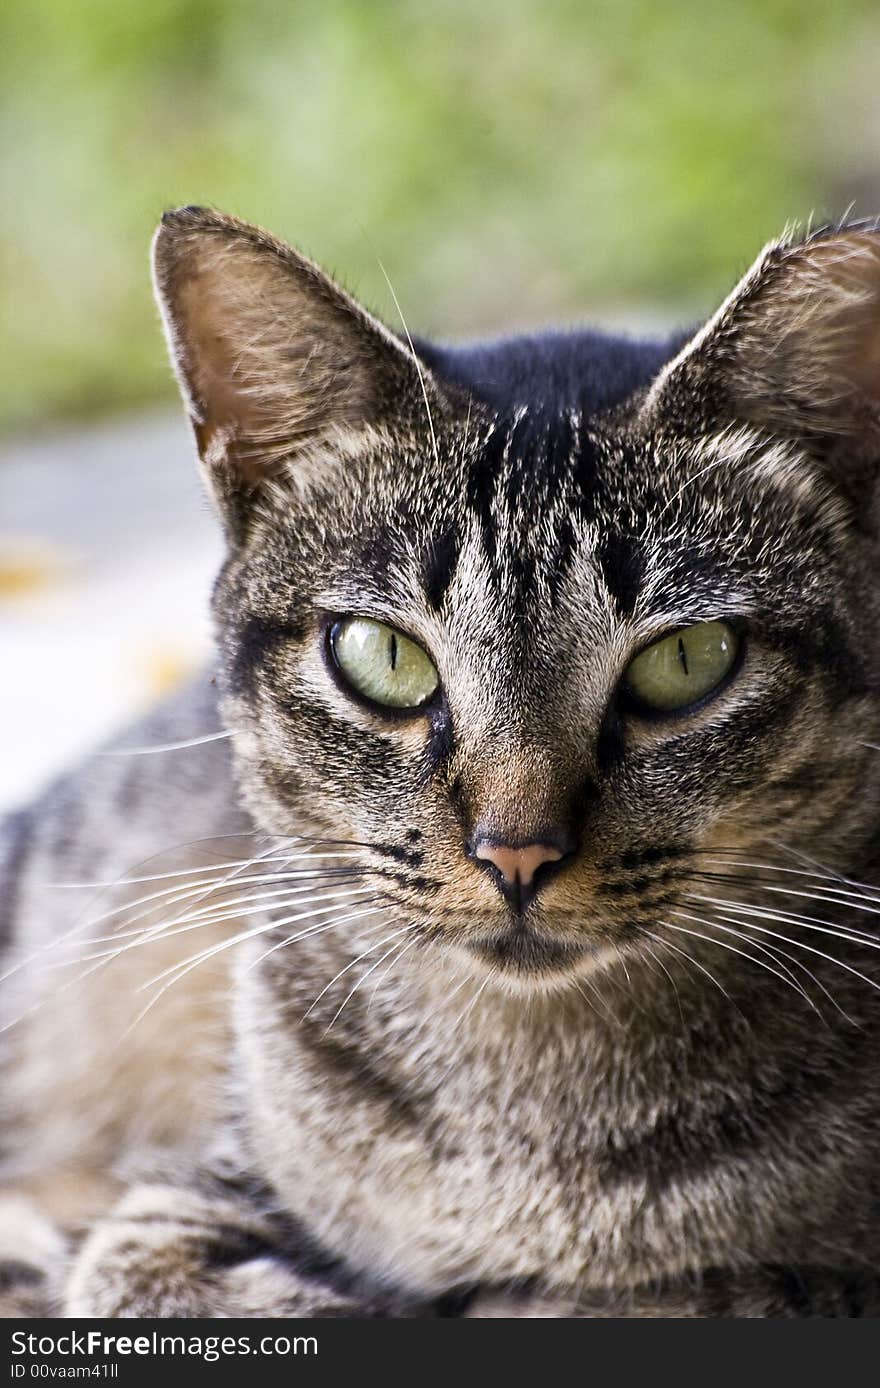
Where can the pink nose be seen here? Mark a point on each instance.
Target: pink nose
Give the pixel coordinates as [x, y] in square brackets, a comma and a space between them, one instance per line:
[517, 865]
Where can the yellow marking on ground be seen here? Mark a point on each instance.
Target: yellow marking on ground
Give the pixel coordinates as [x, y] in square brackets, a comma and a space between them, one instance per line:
[30, 566]
[165, 669]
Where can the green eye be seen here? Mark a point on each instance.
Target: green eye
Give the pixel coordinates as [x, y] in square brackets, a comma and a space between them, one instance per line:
[682, 668]
[382, 664]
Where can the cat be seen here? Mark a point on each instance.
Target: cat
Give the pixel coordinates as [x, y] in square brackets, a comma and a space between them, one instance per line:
[510, 949]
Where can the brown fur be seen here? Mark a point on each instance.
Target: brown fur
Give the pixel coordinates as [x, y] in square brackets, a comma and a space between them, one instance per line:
[652, 1093]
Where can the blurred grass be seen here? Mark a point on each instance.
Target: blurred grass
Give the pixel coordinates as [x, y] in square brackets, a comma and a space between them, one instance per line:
[510, 162]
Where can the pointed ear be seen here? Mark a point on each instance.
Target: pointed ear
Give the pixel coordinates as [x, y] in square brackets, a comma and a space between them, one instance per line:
[276, 363]
[794, 350]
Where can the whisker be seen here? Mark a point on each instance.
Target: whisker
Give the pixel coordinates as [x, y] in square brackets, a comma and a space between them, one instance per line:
[721, 944]
[849, 933]
[291, 939]
[253, 894]
[329, 895]
[168, 746]
[798, 944]
[401, 951]
[179, 892]
[118, 933]
[600, 1011]
[786, 975]
[629, 993]
[363, 978]
[186, 872]
[822, 877]
[668, 944]
[713, 921]
[211, 915]
[462, 1016]
[82, 925]
[350, 965]
[837, 896]
[416, 363]
[787, 919]
[805, 858]
[193, 960]
[660, 964]
[798, 963]
[186, 966]
[695, 477]
[818, 870]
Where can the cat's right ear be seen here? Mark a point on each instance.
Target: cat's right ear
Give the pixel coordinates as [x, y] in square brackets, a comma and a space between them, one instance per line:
[281, 371]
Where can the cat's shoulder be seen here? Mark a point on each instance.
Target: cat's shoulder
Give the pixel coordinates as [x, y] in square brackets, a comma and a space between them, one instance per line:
[154, 786]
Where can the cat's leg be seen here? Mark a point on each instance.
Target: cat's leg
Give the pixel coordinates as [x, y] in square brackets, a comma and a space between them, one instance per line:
[33, 1260]
[766, 1291]
[771, 1290]
[168, 1251]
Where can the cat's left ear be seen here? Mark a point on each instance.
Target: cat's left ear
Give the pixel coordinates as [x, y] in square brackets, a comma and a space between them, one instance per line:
[794, 350]
[282, 372]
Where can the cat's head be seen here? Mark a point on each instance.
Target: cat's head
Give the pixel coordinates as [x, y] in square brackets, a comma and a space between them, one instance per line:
[557, 628]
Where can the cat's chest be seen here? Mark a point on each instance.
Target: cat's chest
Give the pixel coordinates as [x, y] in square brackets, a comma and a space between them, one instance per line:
[435, 1176]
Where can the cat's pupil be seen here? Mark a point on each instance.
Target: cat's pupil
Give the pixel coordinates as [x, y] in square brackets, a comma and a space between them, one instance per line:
[682, 669]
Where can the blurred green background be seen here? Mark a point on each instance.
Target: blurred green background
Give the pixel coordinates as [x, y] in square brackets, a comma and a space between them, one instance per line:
[510, 162]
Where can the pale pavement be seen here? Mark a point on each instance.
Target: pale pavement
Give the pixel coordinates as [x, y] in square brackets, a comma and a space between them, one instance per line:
[107, 551]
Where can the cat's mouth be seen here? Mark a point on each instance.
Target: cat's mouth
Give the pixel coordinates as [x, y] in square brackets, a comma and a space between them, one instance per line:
[521, 949]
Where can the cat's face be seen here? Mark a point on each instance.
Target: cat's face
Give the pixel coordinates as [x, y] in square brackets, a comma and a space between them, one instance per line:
[547, 670]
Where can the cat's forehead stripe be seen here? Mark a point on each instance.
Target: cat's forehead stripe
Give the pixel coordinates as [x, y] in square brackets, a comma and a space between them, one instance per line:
[563, 509]
[533, 476]
[440, 560]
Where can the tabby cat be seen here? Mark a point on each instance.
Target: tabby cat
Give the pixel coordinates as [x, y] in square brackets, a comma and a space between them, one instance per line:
[511, 949]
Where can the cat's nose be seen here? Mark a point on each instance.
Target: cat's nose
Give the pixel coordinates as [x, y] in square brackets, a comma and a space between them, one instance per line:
[517, 868]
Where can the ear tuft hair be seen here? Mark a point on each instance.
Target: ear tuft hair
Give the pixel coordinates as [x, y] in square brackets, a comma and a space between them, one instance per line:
[795, 349]
[273, 358]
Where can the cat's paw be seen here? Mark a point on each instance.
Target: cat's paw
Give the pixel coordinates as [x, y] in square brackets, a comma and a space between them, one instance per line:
[500, 1305]
[259, 1287]
[33, 1259]
[176, 1252]
[162, 1252]
[269, 1286]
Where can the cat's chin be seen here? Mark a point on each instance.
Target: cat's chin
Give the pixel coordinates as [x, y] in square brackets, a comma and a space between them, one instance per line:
[523, 957]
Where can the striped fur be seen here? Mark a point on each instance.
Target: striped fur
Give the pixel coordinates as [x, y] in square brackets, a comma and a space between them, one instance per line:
[654, 1094]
